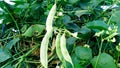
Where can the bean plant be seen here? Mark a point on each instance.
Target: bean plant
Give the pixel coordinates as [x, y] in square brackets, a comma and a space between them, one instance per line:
[59, 34]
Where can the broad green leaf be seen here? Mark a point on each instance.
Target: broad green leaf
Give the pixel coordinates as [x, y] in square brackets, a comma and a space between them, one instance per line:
[58, 49]
[95, 3]
[85, 5]
[75, 59]
[8, 66]
[115, 16]
[64, 49]
[73, 1]
[83, 53]
[73, 26]
[12, 43]
[44, 49]
[78, 66]
[29, 32]
[70, 43]
[4, 55]
[118, 24]
[97, 24]
[22, 6]
[24, 28]
[104, 60]
[34, 29]
[84, 36]
[66, 19]
[50, 18]
[81, 12]
[84, 30]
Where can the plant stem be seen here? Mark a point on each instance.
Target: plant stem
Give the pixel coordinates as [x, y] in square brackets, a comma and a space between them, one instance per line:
[21, 57]
[29, 8]
[99, 52]
[13, 19]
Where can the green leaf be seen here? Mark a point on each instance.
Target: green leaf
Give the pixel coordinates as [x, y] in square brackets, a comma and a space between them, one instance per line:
[97, 24]
[118, 24]
[83, 53]
[4, 55]
[104, 60]
[66, 19]
[75, 59]
[84, 30]
[73, 26]
[8, 66]
[24, 28]
[115, 16]
[95, 3]
[64, 49]
[81, 12]
[22, 6]
[73, 1]
[70, 43]
[12, 43]
[34, 29]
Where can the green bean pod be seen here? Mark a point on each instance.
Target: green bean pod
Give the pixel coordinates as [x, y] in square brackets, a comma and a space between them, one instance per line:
[50, 18]
[44, 49]
[64, 50]
[58, 50]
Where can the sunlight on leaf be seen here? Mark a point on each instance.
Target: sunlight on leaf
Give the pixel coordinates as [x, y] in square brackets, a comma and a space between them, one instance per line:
[83, 53]
[9, 2]
[33, 29]
[81, 12]
[97, 24]
[104, 61]
[4, 55]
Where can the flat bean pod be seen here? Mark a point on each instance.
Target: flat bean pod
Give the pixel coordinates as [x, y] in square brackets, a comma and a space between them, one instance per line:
[64, 50]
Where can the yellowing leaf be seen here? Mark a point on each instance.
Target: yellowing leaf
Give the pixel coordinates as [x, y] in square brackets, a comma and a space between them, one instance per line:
[34, 28]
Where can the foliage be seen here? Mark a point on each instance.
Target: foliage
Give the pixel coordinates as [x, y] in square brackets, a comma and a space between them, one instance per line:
[59, 33]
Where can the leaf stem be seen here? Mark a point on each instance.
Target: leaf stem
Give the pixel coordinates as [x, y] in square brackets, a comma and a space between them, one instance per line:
[13, 19]
[99, 52]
